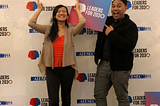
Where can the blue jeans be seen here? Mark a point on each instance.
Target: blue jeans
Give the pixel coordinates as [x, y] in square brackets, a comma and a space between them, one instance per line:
[56, 77]
[105, 78]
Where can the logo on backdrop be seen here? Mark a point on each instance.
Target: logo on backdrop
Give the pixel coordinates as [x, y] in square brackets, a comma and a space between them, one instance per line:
[144, 29]
[33, 54]
[141, 53]
[35, 102]
[86, 101]
[4, 79]
[48, 8]
[140, 76]
[138, 5]
[31, 6]
[90, 77]
[129, 5]
[4, 55]
[84, 53]
[81, 77]
[4, 6]
[88, 32]
[38, 78]
[41, 102]
[83, 31]
[32, 31]
[4, 31]
[137, 100]
[6, 103]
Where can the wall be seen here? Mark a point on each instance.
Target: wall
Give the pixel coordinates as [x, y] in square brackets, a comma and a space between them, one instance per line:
[21, 83]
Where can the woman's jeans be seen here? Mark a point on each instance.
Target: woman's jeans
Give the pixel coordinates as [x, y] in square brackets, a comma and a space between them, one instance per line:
[59, 77]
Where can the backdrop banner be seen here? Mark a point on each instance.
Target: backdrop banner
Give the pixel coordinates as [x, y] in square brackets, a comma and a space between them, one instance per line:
[21, 83]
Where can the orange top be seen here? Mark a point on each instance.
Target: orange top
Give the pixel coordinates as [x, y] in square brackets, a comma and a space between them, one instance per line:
[58, 51]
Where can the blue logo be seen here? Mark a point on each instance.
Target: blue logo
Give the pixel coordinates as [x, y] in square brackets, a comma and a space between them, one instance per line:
[6, 103]
[86, 101]
[130, 99]
[83, 31]
[84, 53]
[3, 6]
[5, 55]
[140, 76]
[32, 31]
[129, 5]
[144, 28]
[38, 78]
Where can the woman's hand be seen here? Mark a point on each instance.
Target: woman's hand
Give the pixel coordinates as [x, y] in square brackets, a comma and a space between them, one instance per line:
[40, 8]
[40, 5]
[77, 6]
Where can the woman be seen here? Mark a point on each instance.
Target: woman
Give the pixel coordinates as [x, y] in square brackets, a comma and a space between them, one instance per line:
[57, 59]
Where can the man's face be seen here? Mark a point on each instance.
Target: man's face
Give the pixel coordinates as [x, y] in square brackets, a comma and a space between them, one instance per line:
[118, 9]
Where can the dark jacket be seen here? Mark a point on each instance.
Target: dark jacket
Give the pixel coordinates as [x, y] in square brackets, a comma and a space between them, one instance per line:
[123, 40]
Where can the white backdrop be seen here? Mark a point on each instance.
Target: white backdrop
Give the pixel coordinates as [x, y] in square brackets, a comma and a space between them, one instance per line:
[21, 83]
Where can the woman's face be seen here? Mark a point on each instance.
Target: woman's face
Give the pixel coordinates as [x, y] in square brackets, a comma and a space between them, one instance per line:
[61, 14]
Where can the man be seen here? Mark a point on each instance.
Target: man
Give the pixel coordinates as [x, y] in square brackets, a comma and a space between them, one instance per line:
[114, 50]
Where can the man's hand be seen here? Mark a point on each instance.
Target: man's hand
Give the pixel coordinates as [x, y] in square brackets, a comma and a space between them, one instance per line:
[108, 29]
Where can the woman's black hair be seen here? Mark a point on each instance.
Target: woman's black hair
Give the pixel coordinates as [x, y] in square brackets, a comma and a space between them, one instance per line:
[124, 1]
[54, 28]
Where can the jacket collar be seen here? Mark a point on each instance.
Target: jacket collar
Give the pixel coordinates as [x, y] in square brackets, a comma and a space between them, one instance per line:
[111, 19]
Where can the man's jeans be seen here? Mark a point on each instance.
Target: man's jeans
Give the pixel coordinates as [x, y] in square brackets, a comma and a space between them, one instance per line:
[105, 78]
